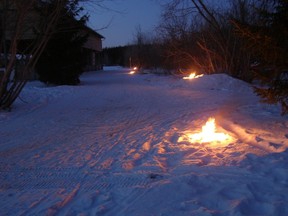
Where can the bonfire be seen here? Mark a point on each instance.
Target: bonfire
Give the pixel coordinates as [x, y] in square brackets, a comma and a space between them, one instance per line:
[193, 76]
[209, 135]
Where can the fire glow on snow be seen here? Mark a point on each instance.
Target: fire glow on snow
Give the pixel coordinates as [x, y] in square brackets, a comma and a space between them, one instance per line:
[193, 76]
[209, 135]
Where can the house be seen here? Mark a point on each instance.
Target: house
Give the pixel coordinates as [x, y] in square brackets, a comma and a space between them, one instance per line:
[92, 49]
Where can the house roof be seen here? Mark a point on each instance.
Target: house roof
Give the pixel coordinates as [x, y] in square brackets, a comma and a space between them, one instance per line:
[91, 31]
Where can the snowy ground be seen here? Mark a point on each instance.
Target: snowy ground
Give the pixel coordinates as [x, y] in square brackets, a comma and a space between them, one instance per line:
[118, 145]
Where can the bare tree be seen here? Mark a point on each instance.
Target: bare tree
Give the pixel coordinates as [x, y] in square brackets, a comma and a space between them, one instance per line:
[176, 33]
[201, 34]
[220, 43]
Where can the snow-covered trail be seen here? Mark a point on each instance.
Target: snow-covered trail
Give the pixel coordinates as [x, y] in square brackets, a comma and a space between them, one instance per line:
[116, 145]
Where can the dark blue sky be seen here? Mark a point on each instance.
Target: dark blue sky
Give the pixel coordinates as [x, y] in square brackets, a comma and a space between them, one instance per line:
[117, 20]
[122, 18]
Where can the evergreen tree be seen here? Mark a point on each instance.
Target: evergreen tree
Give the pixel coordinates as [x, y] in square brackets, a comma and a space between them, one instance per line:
[62, 61]
[268, 42]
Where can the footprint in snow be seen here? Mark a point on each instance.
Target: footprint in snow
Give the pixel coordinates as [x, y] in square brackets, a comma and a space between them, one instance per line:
[258, 139]
[155, 176]
[275, 145]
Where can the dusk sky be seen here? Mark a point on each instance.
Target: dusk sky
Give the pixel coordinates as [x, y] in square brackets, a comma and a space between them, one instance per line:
[121, 19]
[117, 20]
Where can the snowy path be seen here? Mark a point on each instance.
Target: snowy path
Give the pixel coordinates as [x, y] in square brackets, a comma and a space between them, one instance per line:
[117, 145]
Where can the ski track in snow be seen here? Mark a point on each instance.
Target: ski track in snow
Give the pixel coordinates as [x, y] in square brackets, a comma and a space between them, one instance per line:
[112, 146]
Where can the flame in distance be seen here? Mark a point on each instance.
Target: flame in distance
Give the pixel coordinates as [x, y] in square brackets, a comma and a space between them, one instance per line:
[193, 76]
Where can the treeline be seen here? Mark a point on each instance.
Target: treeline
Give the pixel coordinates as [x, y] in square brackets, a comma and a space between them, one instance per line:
[246, 39]
[143, 56]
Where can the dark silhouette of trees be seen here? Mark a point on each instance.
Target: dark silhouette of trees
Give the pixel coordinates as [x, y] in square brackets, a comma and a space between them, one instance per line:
[201, 37]
[62, 61]
[267, 41]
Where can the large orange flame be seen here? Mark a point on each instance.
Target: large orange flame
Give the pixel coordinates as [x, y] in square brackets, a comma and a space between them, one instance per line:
[209, 134]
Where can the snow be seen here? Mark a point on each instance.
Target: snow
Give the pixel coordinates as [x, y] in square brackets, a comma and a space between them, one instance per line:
[118, 144]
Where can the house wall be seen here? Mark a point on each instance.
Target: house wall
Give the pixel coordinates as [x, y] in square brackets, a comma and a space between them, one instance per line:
[92, 49]
[94, 60]
[94, 43]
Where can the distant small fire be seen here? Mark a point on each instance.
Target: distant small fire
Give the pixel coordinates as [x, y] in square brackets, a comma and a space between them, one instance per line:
[209, 135]
[133, 71]
[193, 76]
